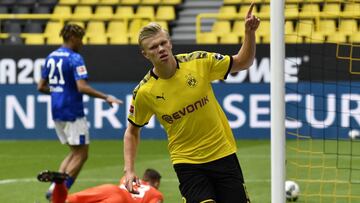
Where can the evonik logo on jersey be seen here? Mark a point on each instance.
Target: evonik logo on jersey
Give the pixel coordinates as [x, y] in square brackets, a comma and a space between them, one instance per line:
[186, 110]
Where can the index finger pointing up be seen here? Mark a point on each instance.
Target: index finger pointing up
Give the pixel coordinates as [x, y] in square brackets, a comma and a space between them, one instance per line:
[251, 8]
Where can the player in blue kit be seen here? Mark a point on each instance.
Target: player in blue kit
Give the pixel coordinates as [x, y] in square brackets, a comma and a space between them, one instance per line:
[64, 77]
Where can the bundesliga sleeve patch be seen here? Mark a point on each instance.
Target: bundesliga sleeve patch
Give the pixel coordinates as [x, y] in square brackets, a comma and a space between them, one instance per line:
[131, 109]
[81, 70]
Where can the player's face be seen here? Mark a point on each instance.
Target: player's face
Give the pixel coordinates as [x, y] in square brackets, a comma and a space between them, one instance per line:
[157, 48]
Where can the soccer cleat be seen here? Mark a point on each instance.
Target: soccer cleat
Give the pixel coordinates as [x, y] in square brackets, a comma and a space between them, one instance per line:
[52, 176]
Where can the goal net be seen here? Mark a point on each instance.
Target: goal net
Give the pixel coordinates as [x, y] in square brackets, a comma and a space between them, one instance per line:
[323, 105]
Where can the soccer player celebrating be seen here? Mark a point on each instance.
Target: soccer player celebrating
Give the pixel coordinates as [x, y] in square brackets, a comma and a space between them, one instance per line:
[108, 193]
[177, 90]
[64, 77]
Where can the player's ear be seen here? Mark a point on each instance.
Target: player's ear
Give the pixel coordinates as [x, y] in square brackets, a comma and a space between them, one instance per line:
[170, 45]
[143, 52]
[157, 184]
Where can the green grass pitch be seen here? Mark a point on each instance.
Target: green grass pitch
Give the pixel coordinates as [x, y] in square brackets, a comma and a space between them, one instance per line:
[20, 162]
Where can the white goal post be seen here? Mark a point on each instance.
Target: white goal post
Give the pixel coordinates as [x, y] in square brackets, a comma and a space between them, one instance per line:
[277, 91]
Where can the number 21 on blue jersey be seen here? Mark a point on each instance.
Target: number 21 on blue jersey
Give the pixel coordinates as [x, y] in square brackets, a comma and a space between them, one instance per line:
[55, 79]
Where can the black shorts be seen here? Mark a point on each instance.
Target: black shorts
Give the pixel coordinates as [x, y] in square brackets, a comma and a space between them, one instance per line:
[219, 181]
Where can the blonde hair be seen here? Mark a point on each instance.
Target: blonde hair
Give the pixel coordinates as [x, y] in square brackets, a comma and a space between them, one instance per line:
[150, 30]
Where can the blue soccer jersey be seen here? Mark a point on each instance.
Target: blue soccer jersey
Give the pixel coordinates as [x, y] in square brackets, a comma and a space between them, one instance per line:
[62, 68]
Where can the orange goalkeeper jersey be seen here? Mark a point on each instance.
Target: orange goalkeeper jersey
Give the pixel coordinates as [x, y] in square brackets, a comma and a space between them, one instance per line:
[109, 193]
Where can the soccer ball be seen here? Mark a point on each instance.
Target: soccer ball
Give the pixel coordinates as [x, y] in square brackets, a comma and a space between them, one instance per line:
[354, 134]
[292, 190]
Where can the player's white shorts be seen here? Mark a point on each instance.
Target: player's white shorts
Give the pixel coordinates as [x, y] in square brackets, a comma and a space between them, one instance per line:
[73, 132]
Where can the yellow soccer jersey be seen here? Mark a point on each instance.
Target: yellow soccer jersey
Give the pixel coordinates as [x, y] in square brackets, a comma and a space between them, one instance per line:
[185, 104]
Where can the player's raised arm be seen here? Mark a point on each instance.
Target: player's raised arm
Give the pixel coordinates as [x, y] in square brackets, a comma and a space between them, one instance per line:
[245, 57]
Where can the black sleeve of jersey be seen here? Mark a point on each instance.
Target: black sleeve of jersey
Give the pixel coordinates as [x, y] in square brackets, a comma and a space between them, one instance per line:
[136, 124]
[228, 71]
